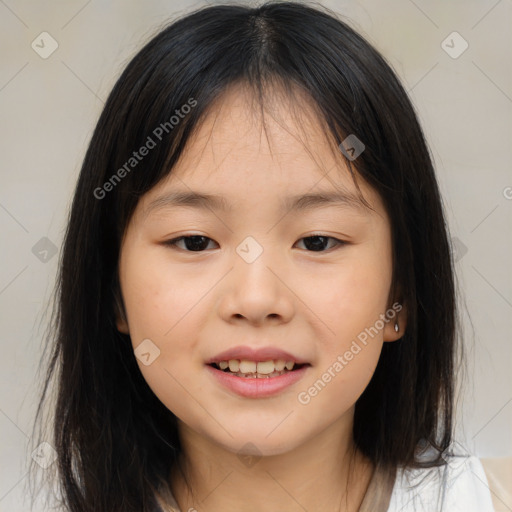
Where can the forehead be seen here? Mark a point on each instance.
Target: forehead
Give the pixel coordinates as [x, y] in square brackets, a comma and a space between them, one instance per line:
[242, 154]
[279, 129]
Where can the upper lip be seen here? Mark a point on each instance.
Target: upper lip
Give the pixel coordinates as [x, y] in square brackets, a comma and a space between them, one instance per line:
[255, 354]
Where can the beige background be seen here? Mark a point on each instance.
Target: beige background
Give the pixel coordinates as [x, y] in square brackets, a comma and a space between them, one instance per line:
[49, 108]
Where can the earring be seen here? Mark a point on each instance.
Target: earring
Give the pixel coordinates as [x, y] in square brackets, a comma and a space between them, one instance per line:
[396, 326]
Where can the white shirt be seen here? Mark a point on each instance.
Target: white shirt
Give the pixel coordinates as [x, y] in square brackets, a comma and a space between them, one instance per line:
[459, 486]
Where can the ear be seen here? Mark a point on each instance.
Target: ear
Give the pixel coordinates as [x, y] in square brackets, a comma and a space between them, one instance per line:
[120, 314]
[397, 315]
[122, 325]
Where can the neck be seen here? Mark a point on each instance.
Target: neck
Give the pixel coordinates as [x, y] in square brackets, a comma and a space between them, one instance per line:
[315, 476]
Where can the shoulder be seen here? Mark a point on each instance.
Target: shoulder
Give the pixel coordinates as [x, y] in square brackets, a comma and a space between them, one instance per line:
[166, 500]
[499, 475]
[459, 485]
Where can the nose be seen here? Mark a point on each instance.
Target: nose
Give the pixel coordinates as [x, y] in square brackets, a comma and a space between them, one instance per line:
[257, 292]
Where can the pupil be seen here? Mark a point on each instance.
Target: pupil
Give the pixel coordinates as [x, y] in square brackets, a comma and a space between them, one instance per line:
[194, 242]
[316, 246]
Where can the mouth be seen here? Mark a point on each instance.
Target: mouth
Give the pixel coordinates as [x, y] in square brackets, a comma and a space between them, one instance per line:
[246, 369]
[256, 379]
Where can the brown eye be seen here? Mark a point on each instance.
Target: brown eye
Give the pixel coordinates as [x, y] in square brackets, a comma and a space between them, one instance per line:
[318, 243]
[193, 243]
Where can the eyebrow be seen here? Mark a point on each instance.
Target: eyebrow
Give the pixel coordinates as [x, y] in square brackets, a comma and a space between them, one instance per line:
[296, 203]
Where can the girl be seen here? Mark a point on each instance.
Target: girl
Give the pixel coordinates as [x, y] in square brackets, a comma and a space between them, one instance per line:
[256, 306]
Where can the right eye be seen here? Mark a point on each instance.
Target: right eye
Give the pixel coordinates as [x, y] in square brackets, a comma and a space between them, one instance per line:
[193, 243]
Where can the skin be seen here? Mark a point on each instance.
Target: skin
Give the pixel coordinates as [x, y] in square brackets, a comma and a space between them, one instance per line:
[313, 303]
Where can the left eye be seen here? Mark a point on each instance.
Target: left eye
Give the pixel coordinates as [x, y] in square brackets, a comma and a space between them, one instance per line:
[197, 243]
[317, 242]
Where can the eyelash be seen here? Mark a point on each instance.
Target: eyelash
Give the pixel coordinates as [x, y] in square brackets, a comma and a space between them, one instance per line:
[173, 243]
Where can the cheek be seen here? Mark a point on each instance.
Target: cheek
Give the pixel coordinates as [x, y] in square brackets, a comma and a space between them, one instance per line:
[354, 297]
[351, 304]
[158, 295]
[350, 349]
[161, 304]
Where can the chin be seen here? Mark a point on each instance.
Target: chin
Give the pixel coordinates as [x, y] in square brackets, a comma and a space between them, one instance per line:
[259, 444]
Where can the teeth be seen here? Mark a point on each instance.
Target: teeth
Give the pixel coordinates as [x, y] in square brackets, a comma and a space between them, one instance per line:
[280, 364]
[247, 366]
[265, 367]
[234, 365]
[262, 368]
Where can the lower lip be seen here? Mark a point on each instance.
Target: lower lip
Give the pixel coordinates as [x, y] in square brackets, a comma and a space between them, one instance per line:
[257, 388]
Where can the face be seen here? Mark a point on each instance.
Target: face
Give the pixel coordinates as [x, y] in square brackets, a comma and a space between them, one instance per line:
[262, 278]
